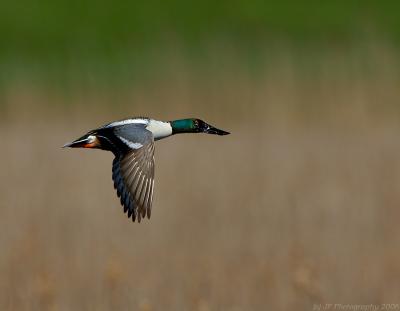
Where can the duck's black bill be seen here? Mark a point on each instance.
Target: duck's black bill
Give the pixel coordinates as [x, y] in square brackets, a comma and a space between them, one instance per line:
[215, 131]
[209, 129]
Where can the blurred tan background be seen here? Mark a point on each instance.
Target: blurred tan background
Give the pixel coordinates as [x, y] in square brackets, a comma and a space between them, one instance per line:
[298, 206]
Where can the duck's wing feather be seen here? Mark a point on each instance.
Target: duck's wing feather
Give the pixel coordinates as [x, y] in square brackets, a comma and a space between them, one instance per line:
[133, 175]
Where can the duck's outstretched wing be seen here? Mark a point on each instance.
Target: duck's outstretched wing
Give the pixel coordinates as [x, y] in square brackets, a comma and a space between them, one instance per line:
[133, 175]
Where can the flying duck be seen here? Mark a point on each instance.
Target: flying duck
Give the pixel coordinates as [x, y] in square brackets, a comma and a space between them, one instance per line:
[132, 143]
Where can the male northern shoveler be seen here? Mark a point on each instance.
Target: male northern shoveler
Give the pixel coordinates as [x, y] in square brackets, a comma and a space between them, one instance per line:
[132, 143]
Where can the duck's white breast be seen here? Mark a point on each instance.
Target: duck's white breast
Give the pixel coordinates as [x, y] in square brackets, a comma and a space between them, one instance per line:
[160, 129]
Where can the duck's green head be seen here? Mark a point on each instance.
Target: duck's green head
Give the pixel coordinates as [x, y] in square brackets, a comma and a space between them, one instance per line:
[194, 126]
